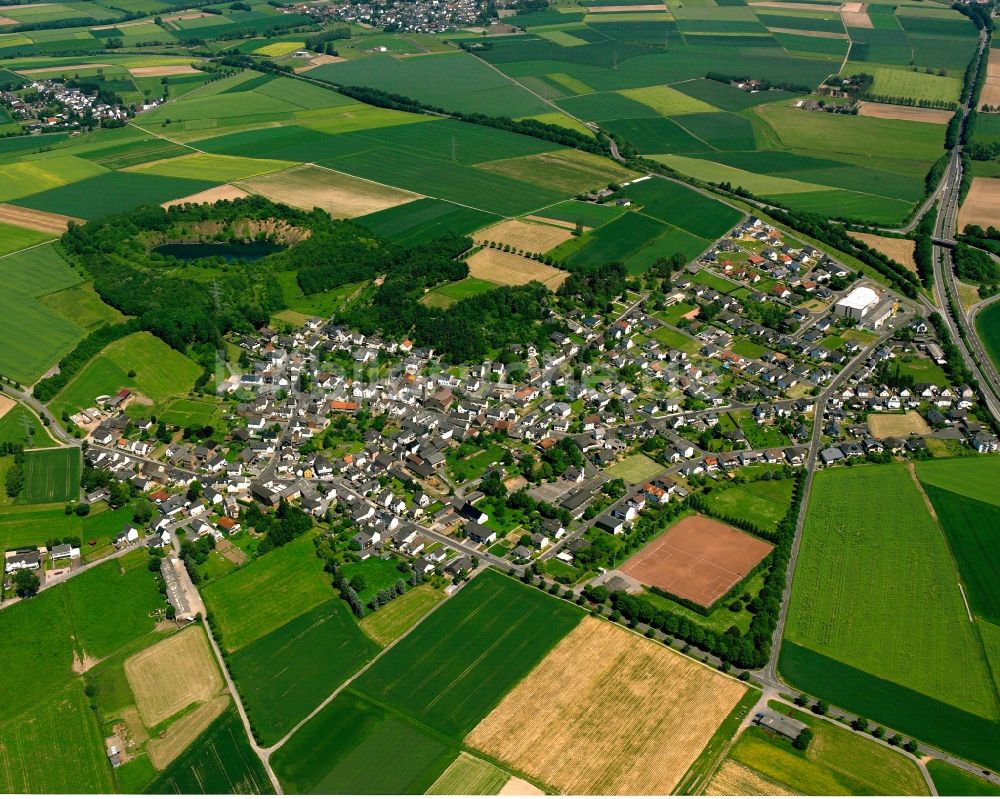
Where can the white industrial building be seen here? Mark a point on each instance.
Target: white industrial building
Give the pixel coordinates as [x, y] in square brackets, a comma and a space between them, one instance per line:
[858, 303]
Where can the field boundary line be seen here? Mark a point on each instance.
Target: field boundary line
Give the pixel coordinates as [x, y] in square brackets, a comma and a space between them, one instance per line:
[266, 752]
[34, 247]
[166, 139]
[409, 191]
[695, 136]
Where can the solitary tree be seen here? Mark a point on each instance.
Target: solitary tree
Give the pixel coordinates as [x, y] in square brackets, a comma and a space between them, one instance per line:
[26, 583]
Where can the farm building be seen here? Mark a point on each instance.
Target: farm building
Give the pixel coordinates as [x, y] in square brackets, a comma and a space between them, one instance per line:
[858, 303]
[782, 725]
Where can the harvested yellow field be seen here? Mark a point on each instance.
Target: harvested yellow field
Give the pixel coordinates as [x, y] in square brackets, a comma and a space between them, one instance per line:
[340, 195]
[164, 71]
[182, 733]
[557, 222]
[900, 250]
[527, 236]
[172, 674]
[982, 205]
[35, 220]
[608, 712]
[509, 269]
[224, 192]
[515, 786]
[66, 68]
[855, 15]
[908, 113]
[735, 779]
[6, 403]
[899, 425]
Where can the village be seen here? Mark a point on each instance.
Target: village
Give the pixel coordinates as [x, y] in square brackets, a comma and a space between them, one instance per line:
[764, 354]
[422, 16]
[52, 105]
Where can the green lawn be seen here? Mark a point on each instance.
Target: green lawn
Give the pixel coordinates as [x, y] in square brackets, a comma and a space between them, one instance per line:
[837, 762]
[988, 327]
[762, 503]
[637, 468]
[267, 593]
[923, 370]
[344, 750]
[888, 636]
[390, 621]
[474, 466]
[160, 373]
[285, 674]
[377, 574]
[456, 665]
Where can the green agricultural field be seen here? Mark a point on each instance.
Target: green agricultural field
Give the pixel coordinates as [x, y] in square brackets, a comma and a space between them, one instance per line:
[390, 621]
[343, 750]
[973, 530]
[636, 468]
[14, 238]
[455, 81]
[160, 373]
[267, 593]
[51, 475]
[20, 426]
[452, 669]
[973, 477]
[903, 82]
[113, 192]
[21, 178]
[762, 503]
[469, 776]
[988, 327]
[34, 336]
[207, 166]
[615, 241]
[422, 220]
[54, 747]
[836, 135]
[566, 171]
[837, 762]
[857, 636]
[285, 675]
[220, 761]
[952, 781]
[587, 214]
[683, 207]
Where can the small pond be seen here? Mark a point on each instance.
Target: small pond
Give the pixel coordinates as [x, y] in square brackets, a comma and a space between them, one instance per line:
[250, 251]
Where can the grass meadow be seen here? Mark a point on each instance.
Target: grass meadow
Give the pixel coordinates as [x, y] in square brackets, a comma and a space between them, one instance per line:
[953, 781]
[285, 675]
[160, 373]
[988, 327]
[452, 669]
[763, 503]
[267, 593]
[20, 426]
